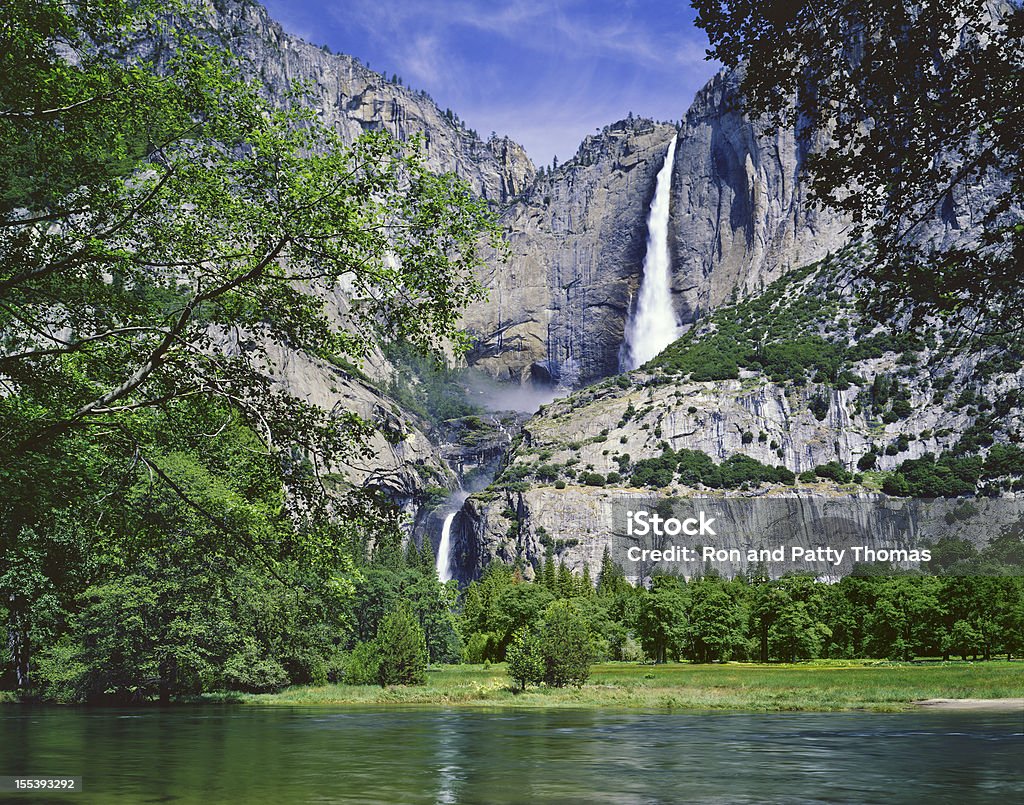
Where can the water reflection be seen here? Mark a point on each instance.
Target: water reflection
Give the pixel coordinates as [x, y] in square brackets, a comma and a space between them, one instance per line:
[272, 755]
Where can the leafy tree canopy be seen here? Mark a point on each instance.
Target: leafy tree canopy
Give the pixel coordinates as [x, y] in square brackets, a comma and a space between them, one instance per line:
[167, 234]
[914, 109]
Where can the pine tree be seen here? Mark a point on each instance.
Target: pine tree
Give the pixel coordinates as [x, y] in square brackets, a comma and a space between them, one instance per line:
[550, 578]
[587, 585]
[568, 645]
[402, 648]
[611, 576]
[412, 556]
[428, 560]
[566, 586]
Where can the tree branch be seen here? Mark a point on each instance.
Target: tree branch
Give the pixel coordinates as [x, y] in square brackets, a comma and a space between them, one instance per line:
[156, 357]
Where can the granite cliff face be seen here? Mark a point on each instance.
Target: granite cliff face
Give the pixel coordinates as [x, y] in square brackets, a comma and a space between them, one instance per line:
[576, 237]
[587, 522]
[740, 215]
[820, 391]
[738, 220]
[354, 99]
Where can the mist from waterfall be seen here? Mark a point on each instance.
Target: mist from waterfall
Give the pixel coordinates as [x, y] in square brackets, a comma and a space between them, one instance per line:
[652, 324]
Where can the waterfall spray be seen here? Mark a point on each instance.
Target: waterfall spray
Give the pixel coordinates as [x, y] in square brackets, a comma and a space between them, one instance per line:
[652, 326]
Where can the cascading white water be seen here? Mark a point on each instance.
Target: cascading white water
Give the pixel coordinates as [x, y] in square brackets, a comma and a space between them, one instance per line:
[444, 549]
[652, 326]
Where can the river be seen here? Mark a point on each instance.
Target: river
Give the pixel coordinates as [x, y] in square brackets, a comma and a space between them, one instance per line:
[246, 754]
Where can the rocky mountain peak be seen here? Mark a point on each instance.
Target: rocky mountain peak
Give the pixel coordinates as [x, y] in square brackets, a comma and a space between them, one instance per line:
[353, 98]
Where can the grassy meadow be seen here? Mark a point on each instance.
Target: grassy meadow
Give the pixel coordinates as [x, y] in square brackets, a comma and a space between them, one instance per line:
[818, 686]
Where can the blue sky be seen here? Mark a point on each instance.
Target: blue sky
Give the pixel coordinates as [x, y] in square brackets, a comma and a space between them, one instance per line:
[545, 72]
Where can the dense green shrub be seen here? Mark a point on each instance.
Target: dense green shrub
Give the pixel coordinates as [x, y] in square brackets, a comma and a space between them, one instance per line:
[401, 648]
[696, 467]
[546, 472]
[655, 472]
[525, 657]
[819, 405]
[926, 477]
[834, 471]
[868, 461]
[362, 664]
[568, 644]
[1004, 459]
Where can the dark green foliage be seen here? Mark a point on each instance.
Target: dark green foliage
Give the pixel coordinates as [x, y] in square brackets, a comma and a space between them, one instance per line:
[926, 477]
[767, 333]
[873, 613]
[714, 623]
[811, 356]
[169, 521]
[902, 408]
[868, 460]
[739, 469]
[362, 665]
[1004, 459]
[696, 467]
[660, 620]
[654, 472]
[568, 644]
[546, 472]
[611, 580]
[819, 405]
[953, 474]
[401, 649]
[834, 471]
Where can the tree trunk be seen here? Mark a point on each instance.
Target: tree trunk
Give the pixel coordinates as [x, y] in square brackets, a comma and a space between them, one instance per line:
[167, 669]
[17, 645]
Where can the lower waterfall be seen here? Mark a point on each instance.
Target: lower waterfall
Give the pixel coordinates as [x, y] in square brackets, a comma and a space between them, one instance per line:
[444, 549]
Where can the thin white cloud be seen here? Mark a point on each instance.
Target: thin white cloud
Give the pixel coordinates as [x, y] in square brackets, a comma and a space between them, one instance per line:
[546, 27]
[424, 61]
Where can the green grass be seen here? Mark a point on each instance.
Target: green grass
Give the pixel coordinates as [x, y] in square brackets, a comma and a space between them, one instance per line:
[819, 686]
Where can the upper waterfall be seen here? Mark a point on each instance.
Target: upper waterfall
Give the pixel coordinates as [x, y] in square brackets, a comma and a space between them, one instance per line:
[652, 323]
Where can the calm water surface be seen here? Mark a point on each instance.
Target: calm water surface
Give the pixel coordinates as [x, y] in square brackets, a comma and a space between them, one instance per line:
[303, 755]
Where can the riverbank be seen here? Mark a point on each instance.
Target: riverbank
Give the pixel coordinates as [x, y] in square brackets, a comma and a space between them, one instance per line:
[1011, 705]
[818, 686]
